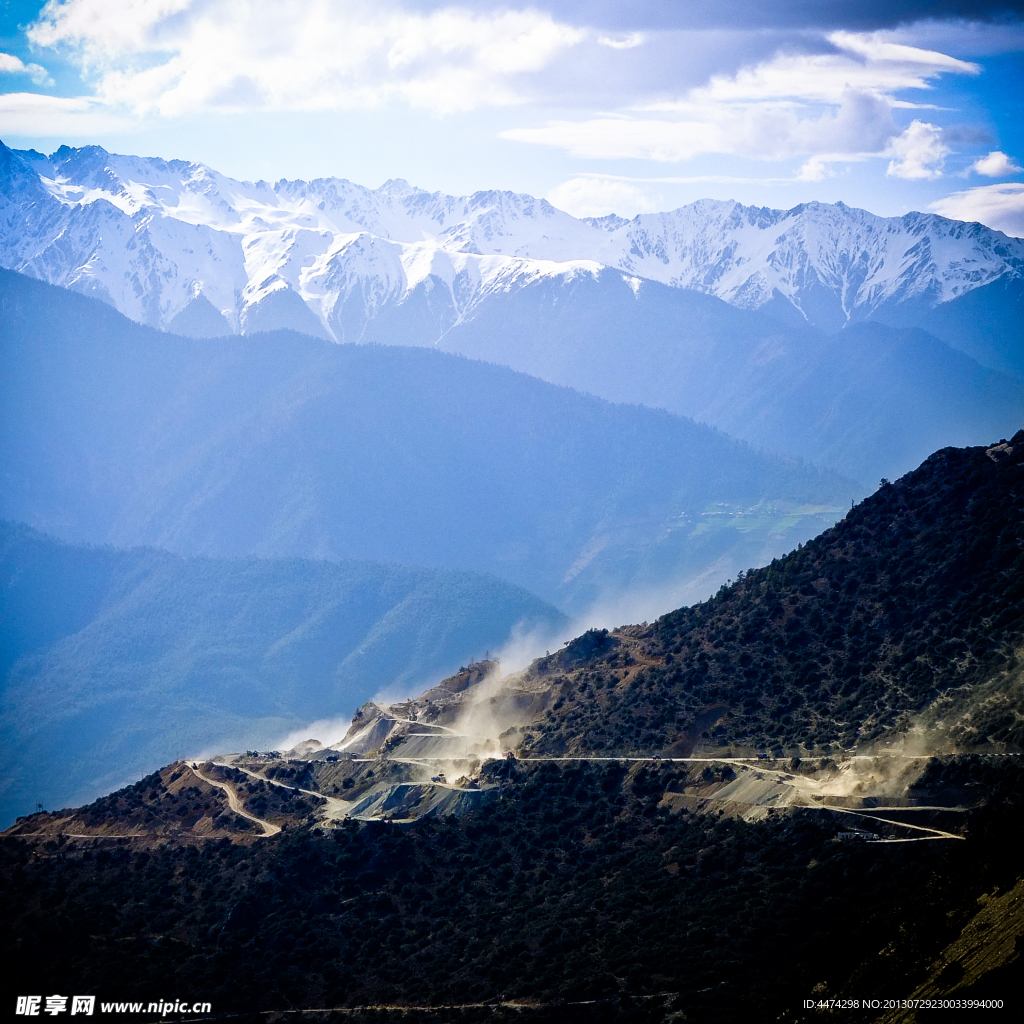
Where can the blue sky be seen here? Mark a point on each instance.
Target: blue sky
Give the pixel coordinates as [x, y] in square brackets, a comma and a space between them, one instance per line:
[600, 107]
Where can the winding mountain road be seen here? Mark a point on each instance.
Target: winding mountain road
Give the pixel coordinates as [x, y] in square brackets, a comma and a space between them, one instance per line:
[781, 776]
[335, 808]
[269, 829]
[933, 833]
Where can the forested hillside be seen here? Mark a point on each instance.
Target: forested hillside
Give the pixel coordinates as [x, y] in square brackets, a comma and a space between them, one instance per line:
[575, 896]
[916, 594]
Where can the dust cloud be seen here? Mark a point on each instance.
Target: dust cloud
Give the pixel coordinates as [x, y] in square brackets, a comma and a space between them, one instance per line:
[327, 730]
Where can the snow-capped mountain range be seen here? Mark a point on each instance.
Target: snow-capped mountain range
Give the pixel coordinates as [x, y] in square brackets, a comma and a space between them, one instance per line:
[178, 246]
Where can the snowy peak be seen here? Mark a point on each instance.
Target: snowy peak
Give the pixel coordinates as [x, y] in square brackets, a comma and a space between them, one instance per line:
[150, 236]
[750, 255]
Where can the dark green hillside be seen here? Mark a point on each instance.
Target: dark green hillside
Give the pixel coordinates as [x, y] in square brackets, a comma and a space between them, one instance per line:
[115, 662]
[917, 592]
[573, 888]
[281, 444]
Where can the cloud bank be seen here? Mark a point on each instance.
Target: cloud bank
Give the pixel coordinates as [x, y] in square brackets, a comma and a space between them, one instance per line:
[175, 57]
[997, 206]
[825, 88]
[830, 106]
[67, 117]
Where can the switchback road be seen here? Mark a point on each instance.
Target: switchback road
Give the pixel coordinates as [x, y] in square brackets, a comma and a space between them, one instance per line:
[269, 829]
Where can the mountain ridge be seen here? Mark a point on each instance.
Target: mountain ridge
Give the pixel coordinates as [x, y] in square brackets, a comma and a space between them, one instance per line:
[902, 624]
[187, 230]
[726, 314]
[824, 648]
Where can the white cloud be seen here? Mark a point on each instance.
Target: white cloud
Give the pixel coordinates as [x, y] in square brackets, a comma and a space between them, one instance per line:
[11, 65]
[180, 56]
[918, 153]
[997, 206]
[815, 169]
[596, 197]
[65, 117]
[830, 106]
[875, 47]
[996, 165]
[99, 28]
[628, 42]
[769, 131]
[863, 65]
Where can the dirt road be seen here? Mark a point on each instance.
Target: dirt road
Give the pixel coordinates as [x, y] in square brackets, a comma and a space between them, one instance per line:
[235, 804]
[335, 808]
[933, 833]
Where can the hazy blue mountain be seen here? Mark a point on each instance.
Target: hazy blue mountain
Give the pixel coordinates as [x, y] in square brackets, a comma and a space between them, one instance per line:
[987, 323]
[869, 401]
[281, 444]
[875, 400]
[113, 662]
